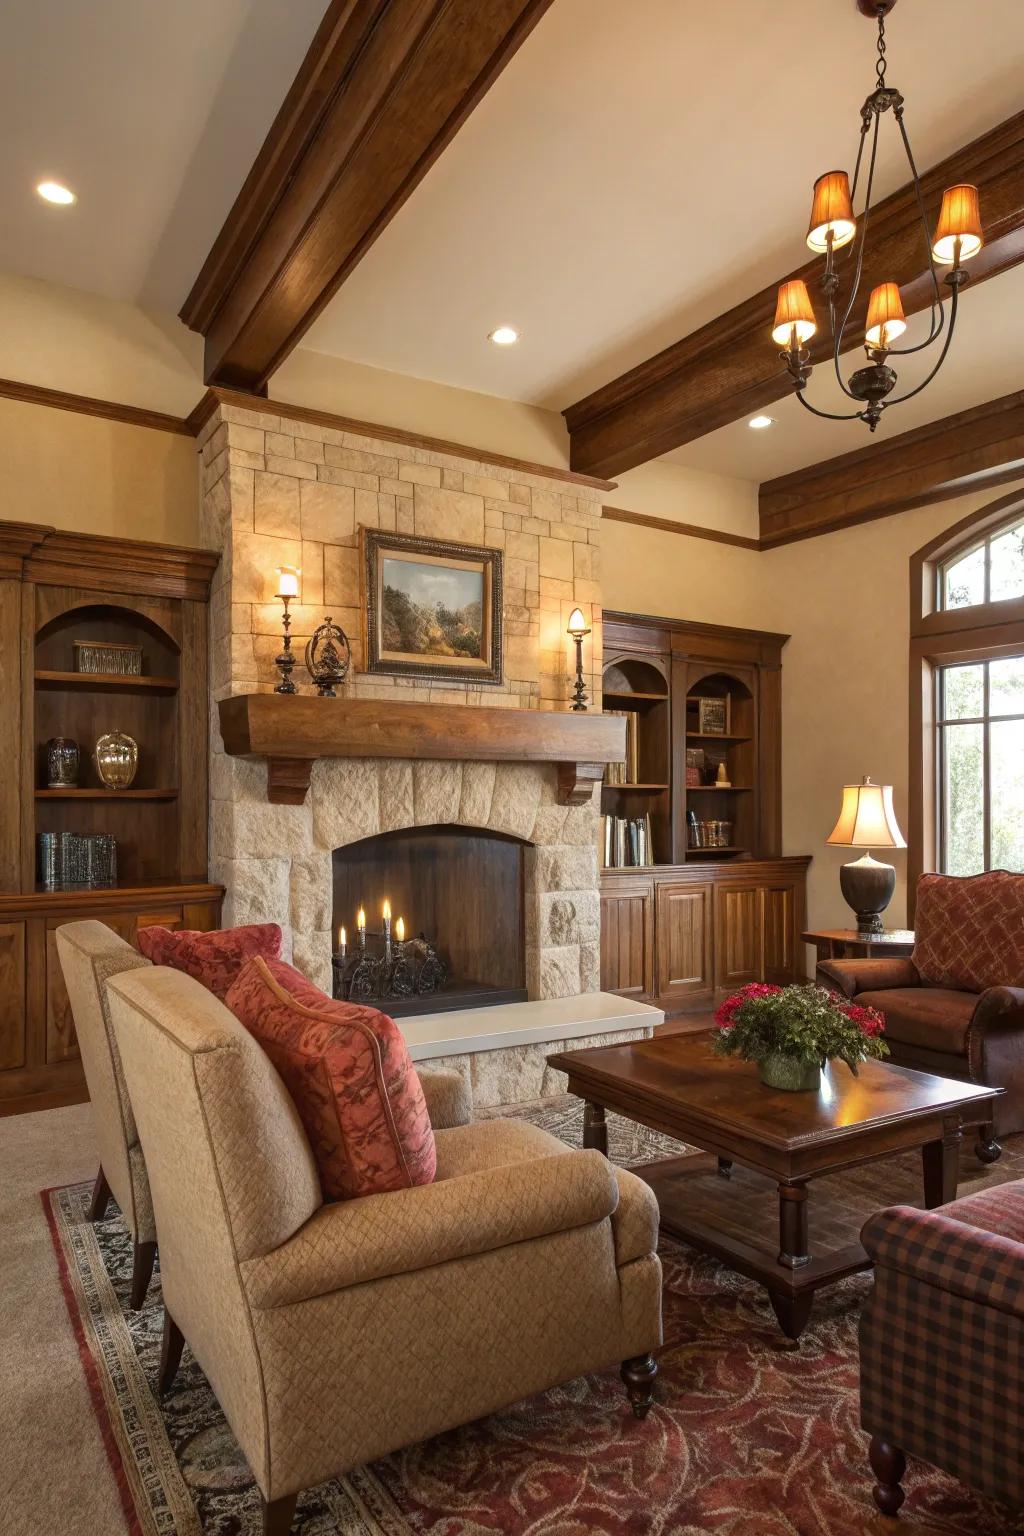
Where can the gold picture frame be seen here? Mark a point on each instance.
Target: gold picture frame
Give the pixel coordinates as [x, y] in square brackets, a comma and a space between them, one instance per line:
[430, 608]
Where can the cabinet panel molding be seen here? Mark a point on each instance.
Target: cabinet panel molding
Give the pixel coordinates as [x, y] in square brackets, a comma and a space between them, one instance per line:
[13, 1018]
[683, 944]
[627, 940]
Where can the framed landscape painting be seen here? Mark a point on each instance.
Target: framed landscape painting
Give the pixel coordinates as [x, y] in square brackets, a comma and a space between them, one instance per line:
[430, 608]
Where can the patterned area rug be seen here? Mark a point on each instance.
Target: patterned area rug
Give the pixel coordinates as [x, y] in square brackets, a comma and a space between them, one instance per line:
[748, 1438]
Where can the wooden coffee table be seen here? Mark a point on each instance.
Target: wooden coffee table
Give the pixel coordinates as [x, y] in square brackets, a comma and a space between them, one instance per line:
[677, 1085]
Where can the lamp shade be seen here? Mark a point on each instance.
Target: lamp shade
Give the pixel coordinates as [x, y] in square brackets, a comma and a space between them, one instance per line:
[831, 212]
[959, 219]
[886, 319]
[287, 581]
[577, 624]
[866, 818]
[794, 317]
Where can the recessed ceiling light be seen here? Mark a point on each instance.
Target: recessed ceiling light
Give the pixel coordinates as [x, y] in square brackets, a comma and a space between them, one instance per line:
[53, 192]
[504, 336]
[758, 423]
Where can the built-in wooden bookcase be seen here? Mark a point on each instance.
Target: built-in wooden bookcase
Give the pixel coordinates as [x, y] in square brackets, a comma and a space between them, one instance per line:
[737, 747]
[145, 818]
[703, 918]
[634, 686]
[55, 589]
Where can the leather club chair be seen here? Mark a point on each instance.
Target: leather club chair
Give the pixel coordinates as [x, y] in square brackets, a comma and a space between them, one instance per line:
[336, 1333]
[956, 1006]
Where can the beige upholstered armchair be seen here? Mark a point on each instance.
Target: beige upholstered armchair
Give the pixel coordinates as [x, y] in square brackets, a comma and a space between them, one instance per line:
[89, 954]
[333, 1334]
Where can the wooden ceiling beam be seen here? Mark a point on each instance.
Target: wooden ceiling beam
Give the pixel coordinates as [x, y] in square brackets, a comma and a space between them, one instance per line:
[383, 89]
[730, 368]
[970, 451]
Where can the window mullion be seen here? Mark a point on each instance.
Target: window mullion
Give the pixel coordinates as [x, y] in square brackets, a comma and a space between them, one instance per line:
[986, 762]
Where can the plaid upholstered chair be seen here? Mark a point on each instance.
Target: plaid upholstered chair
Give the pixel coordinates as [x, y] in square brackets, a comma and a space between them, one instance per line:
[942, 1344]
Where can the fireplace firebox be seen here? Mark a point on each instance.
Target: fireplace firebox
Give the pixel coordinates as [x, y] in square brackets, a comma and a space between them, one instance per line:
[443, 910]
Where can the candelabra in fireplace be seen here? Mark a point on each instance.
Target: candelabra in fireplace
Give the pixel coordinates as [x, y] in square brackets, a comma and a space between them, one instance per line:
[384, 967]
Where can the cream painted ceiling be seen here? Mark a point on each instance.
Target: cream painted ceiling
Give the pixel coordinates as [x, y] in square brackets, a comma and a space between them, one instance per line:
[640, 166]
[152, 111]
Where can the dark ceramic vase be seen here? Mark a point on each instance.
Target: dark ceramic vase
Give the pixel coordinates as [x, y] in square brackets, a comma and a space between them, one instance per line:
[867, 887]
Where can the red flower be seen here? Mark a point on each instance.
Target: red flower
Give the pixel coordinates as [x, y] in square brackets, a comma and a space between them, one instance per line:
[725, 1013]
[868, 1020]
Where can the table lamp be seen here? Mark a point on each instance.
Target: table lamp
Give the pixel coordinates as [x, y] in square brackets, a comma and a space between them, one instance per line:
[867, 820]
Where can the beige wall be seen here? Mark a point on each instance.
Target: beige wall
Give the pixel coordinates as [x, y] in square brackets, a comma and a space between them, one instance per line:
[96, 476]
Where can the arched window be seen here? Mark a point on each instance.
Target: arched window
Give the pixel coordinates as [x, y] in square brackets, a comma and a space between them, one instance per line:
[967, 695]
[989, 571]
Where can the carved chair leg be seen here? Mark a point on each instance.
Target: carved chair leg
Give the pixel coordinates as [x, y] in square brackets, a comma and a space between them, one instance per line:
[142, 1272]
[278, 1515]
[988, 1149]
[638, 1375]
[171, 1346]
[888, 1464]
[100, 1197]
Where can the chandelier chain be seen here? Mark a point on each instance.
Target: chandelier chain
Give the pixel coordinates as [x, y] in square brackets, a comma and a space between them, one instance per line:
[880, 66]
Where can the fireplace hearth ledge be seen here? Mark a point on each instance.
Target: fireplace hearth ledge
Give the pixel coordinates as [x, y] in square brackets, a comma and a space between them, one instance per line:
[502, 1051]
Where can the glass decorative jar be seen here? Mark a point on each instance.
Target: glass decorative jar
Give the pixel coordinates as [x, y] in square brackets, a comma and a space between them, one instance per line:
[61, 763]
[117, 758]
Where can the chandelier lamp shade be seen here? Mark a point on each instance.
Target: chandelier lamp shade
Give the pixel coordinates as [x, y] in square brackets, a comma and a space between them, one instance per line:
[834, 227]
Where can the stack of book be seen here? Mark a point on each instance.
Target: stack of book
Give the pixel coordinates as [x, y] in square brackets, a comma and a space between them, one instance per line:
[628, 771]
[626, 842]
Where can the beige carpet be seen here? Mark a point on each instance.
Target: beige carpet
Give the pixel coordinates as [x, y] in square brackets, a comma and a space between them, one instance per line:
[55, 1479]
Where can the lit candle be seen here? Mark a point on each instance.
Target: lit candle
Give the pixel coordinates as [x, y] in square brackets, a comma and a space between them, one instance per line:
[287, 581]
[387, 919]
[361, 925]
[400, 930]
[342, 941]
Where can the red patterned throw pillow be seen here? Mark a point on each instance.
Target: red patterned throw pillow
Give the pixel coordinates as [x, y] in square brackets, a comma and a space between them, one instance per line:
[969, 932]
[349, 1072]
[213, 958]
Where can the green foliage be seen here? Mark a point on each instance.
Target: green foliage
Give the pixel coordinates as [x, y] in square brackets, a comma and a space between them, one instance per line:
[805, 1022]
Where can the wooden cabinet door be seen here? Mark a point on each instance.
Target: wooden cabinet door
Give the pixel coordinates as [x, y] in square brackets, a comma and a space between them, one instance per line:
[737, 934]
[13, 1009]
[779, 935]
[682, 941]
[61, 1044]
[627, 939]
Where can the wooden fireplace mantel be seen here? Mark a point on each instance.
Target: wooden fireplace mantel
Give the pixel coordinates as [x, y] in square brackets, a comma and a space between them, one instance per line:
[293, 732]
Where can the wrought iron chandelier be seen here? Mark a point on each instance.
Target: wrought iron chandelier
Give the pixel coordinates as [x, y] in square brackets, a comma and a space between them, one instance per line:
[956, 239]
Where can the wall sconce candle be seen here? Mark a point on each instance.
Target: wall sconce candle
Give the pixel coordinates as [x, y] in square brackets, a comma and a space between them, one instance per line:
[342, 941]
[361, 926]
[287, 588]
[577, 628]
[400, 929]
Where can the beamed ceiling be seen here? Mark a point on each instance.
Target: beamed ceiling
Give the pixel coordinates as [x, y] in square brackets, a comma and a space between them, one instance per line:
[625, 175]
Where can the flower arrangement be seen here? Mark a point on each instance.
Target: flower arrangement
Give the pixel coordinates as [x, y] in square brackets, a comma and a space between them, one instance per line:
[791, 1032]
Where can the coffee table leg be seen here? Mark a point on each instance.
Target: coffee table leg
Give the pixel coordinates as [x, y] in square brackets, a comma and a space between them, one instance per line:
[793, 1252]
[725, 1167]
[595, 1130]
[941, 1165]
[792, 1312]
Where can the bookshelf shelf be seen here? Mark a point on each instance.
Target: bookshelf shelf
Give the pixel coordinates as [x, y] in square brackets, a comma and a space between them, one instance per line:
[636, 820]
[715, 736]
[642, 698]
[637, 786]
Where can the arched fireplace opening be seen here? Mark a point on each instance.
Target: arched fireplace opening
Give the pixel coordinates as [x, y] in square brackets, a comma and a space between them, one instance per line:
[456, 934]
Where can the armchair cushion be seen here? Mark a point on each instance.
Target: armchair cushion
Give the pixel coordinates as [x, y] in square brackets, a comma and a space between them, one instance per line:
[849, 977]
[930, 1018]
[970, 932]
[349, 1073]
[414, 1229]
[215, 958]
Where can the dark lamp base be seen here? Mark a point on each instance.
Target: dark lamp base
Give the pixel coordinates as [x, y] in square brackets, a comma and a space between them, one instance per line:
[867, 887]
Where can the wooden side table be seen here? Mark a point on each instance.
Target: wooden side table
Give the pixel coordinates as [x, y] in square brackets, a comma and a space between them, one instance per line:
[848, 944]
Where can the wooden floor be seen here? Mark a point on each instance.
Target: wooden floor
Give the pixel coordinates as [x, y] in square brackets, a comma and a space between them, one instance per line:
[687, 1024]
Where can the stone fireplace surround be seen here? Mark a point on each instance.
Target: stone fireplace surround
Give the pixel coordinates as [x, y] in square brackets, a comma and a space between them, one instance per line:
[291, 491]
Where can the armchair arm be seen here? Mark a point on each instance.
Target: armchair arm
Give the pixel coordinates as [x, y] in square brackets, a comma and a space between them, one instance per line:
[938, 1250]
[635, 1220]
[355, 1241]
[999, 1008]
[848, 977]
[449, 1099]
